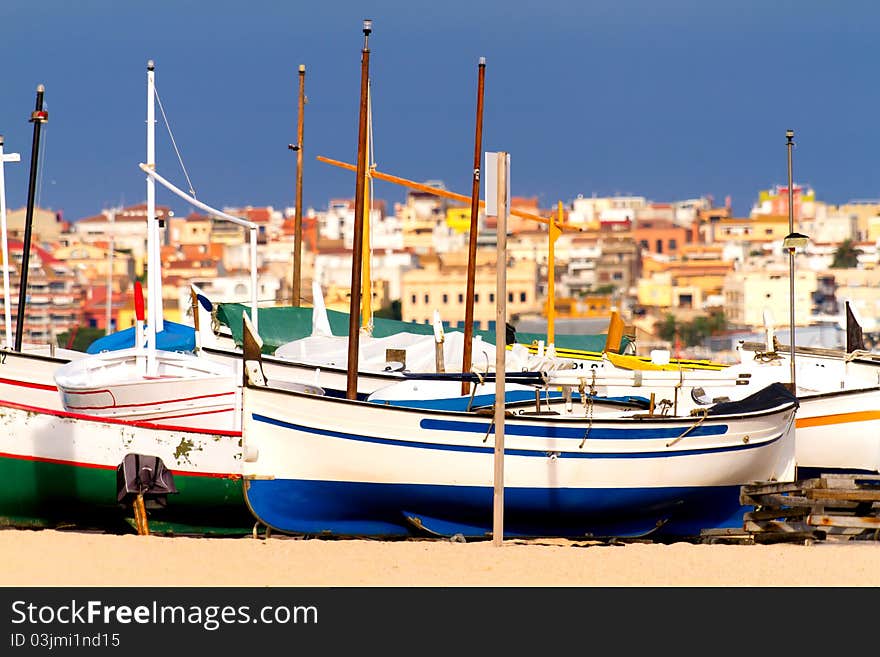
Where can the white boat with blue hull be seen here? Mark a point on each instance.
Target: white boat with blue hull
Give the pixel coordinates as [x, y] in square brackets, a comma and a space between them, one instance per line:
[323, 465]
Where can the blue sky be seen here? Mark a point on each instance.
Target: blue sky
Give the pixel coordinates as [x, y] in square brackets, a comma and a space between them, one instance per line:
[664, 99]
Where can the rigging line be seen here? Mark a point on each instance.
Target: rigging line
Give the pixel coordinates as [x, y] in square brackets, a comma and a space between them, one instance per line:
[174, 143]
[41, 166]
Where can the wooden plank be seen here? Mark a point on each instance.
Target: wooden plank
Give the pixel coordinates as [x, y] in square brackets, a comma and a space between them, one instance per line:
[772, 487]
[845, 494]
[772, 500]
[827, 520]
[850, 481]
[770, 514]
[760, 526]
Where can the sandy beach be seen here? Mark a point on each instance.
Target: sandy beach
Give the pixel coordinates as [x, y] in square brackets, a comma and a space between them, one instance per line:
[66, 558]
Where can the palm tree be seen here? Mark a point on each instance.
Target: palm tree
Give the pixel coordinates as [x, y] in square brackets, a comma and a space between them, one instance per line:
[846, 256]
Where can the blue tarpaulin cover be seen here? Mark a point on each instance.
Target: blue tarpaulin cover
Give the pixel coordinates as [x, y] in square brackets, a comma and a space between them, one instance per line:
[175, 337]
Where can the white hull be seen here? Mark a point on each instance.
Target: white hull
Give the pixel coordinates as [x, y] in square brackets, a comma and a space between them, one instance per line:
[179, 390]
[300, 444]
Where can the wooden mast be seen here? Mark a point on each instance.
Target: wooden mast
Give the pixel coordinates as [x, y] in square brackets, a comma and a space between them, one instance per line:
[367, 248]
[297, 221]
[472, 243]
[358, 235]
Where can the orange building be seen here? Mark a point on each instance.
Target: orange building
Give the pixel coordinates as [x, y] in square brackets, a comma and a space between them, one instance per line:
[660, 236]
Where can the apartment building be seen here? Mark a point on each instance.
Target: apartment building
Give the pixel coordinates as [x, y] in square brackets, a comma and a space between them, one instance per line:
[53, 303]
[126, 226]
[46, 225]
[441, 284]
[748, 293]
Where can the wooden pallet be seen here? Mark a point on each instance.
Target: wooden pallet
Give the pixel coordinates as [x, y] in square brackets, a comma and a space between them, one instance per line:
[829, 507]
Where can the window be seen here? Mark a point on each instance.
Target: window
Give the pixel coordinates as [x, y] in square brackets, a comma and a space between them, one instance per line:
[491, 297]
[672, 244]
[522, 297]
[445, 298]
[476, 297]
[413, 298]
[461, 298]
[427, 298]
[510, 297]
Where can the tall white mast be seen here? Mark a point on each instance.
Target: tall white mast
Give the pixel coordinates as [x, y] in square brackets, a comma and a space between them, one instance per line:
[11, 157]
[153, 292]
[111, 219]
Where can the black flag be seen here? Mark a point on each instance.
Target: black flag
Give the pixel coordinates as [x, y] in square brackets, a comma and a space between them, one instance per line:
[854, 338]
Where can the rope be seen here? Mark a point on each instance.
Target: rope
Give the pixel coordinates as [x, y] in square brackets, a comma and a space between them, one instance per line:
[589, 409]
[174, 143]
[766, 356]
[489, 430]
[471, 398]
[704, 414]
[215, 321]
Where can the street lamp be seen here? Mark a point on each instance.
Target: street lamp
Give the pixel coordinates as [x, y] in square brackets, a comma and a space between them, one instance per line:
[794, 241]
[789, 137]
[790, 243]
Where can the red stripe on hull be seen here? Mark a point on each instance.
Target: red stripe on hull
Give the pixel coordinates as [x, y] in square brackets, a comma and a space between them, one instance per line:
[109, 420]
[27, 384]
[115, 405]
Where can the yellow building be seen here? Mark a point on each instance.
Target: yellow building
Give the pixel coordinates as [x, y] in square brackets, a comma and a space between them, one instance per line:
[591, 305]
[655, 290]
[867, 214]
[441, 285]
[193, 229]
[91, 262]
[762, 228]
[46, 225]
[459, 219]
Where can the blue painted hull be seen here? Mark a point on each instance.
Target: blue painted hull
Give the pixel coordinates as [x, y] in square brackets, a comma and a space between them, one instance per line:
[387, 510]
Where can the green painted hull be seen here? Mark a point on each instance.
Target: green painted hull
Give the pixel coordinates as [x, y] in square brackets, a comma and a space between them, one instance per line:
[39, 494]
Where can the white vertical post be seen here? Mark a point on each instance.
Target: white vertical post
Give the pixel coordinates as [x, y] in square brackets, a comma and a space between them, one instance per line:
[254, 318]
[111, 217]
[152, 234]
[502, 182]
[7, 311]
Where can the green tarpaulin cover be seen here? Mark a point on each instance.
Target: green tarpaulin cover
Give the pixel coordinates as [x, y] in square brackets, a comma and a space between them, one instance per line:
[279, 325]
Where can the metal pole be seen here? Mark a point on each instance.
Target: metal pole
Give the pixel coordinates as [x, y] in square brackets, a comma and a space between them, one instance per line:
[500, 351]
[553, 233]
[789, 136]
[38, 118]
[297, 222]
[7, 302]
[154, 291]
[111, 217]
[472, 243]
[358, 236]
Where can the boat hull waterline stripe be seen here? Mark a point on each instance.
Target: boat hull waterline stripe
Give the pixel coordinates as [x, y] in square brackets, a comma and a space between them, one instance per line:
[541, 453]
